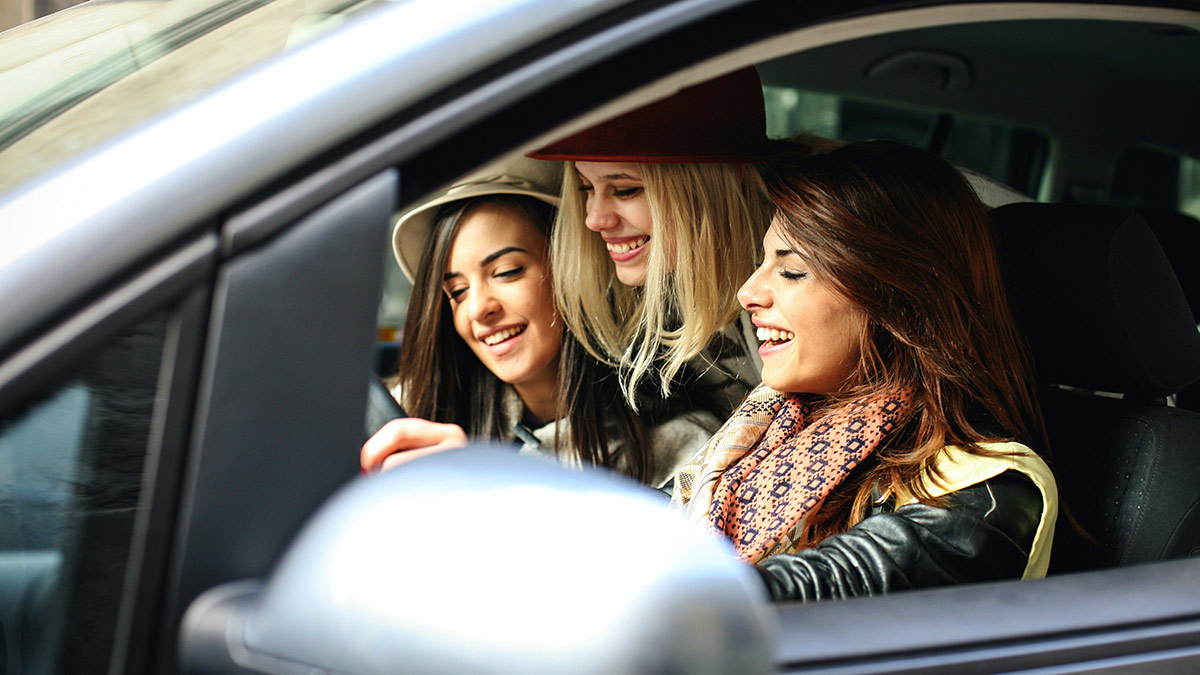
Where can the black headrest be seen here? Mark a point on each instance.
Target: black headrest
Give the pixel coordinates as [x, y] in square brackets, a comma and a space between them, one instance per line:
[1097, 299]
[1179, 235]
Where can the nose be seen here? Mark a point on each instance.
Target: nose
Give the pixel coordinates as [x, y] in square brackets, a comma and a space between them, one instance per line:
[754, 294]
[600, 216]
[482, 306]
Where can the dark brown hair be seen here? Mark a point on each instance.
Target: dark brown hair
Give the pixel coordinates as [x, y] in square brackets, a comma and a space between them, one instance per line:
[899, 233]
[442, 380]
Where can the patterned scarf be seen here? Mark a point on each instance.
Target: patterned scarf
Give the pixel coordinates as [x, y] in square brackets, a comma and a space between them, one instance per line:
[771, 466]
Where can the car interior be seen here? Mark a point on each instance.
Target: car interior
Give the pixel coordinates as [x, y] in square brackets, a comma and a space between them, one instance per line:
[1086, 185]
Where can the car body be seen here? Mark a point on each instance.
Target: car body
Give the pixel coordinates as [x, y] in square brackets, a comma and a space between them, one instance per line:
[190, 290]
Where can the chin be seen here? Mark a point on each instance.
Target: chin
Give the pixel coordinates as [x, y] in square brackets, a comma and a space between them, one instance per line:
[789, 383]
[632, 278]
[778, 385]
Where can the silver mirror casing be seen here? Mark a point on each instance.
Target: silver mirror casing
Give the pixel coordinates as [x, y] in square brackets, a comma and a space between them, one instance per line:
[480, 560]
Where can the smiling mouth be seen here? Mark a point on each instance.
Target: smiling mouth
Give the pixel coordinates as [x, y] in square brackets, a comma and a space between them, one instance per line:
[627, 246]
[774, 336]
[497, 338]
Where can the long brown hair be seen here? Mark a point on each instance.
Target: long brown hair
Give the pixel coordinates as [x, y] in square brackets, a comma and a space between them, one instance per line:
[442, 380]
[899, 233]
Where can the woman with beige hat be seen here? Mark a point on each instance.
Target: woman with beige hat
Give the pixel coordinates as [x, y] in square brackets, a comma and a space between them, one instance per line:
[485, 353]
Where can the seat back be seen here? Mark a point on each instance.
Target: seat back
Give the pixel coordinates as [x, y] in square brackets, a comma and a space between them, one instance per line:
[1112, 336]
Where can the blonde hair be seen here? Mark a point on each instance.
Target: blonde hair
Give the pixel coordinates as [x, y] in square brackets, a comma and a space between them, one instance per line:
[708, 222]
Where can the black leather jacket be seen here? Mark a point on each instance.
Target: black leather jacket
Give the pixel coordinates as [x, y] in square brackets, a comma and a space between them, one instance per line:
[984, 533]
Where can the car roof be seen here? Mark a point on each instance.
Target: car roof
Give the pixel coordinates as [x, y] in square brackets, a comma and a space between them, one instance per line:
[1148, 91]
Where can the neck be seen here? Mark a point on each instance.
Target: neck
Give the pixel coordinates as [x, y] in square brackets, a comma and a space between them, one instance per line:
[540, 397]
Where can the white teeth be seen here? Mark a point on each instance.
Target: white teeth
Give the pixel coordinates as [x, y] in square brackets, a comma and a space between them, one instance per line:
[628, 246]
[774, 335]
[496, 338]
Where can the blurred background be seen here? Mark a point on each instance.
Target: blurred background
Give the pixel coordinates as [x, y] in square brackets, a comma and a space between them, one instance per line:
[16, 12]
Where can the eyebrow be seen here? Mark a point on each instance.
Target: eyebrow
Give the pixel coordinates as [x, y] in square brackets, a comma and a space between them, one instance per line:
[784, 252]
[487, 261]
[611, 176]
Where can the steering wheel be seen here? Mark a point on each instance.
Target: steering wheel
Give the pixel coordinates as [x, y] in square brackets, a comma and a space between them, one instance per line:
[382, 407]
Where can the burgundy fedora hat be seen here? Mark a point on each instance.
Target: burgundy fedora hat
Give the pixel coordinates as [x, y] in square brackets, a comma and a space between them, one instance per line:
[722, 120]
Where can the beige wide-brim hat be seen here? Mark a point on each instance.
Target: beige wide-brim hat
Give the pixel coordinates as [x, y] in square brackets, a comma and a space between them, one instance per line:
[520, 176]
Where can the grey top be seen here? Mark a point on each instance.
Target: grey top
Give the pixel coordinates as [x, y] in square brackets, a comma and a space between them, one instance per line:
[675, 440]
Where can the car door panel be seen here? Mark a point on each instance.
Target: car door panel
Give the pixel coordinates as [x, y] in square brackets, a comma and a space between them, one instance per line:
[1134, 614]
[279, 417]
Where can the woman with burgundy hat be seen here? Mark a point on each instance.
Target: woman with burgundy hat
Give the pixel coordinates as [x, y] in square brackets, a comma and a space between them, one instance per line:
[485, 354]
[660, 221]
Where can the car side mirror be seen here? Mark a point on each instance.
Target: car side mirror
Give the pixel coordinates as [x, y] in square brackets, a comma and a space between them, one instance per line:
[484, 561]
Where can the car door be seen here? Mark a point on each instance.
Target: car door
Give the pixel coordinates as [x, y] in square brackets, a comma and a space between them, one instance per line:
[176, 432]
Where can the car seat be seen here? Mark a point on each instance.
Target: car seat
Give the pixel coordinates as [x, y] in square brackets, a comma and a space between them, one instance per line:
[1112, 336]
[1179, 235]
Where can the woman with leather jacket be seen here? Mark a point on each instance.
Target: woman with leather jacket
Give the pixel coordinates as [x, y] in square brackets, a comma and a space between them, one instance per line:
[892, 442]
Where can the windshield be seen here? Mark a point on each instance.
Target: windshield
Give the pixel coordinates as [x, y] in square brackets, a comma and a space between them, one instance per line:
[86, 74]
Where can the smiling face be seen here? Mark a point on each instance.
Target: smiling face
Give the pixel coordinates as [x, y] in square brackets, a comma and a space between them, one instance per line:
[617, 210]
[809, 334]
[498, 284]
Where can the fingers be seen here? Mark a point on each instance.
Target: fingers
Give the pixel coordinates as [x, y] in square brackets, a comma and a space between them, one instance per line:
[406, 436]
[396, 459]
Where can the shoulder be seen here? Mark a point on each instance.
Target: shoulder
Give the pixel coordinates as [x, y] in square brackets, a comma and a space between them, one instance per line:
[956, 468]
[677, 440]
[990, 191]
[726, 370]
[997, 474]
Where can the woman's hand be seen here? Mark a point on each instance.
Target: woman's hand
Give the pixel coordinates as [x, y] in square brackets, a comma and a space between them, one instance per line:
[403, 440]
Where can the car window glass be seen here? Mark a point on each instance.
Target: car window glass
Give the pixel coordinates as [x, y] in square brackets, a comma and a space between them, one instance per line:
[1151, 178]
[71, 465]
[39, 462]
[78, 77]
[1011, 155]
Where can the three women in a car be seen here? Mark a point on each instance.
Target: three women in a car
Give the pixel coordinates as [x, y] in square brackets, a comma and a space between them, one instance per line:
[486, 355]
[889, 444]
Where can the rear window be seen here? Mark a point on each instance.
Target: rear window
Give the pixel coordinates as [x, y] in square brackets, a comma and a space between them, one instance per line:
[1150, 178]
[1011, 155]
